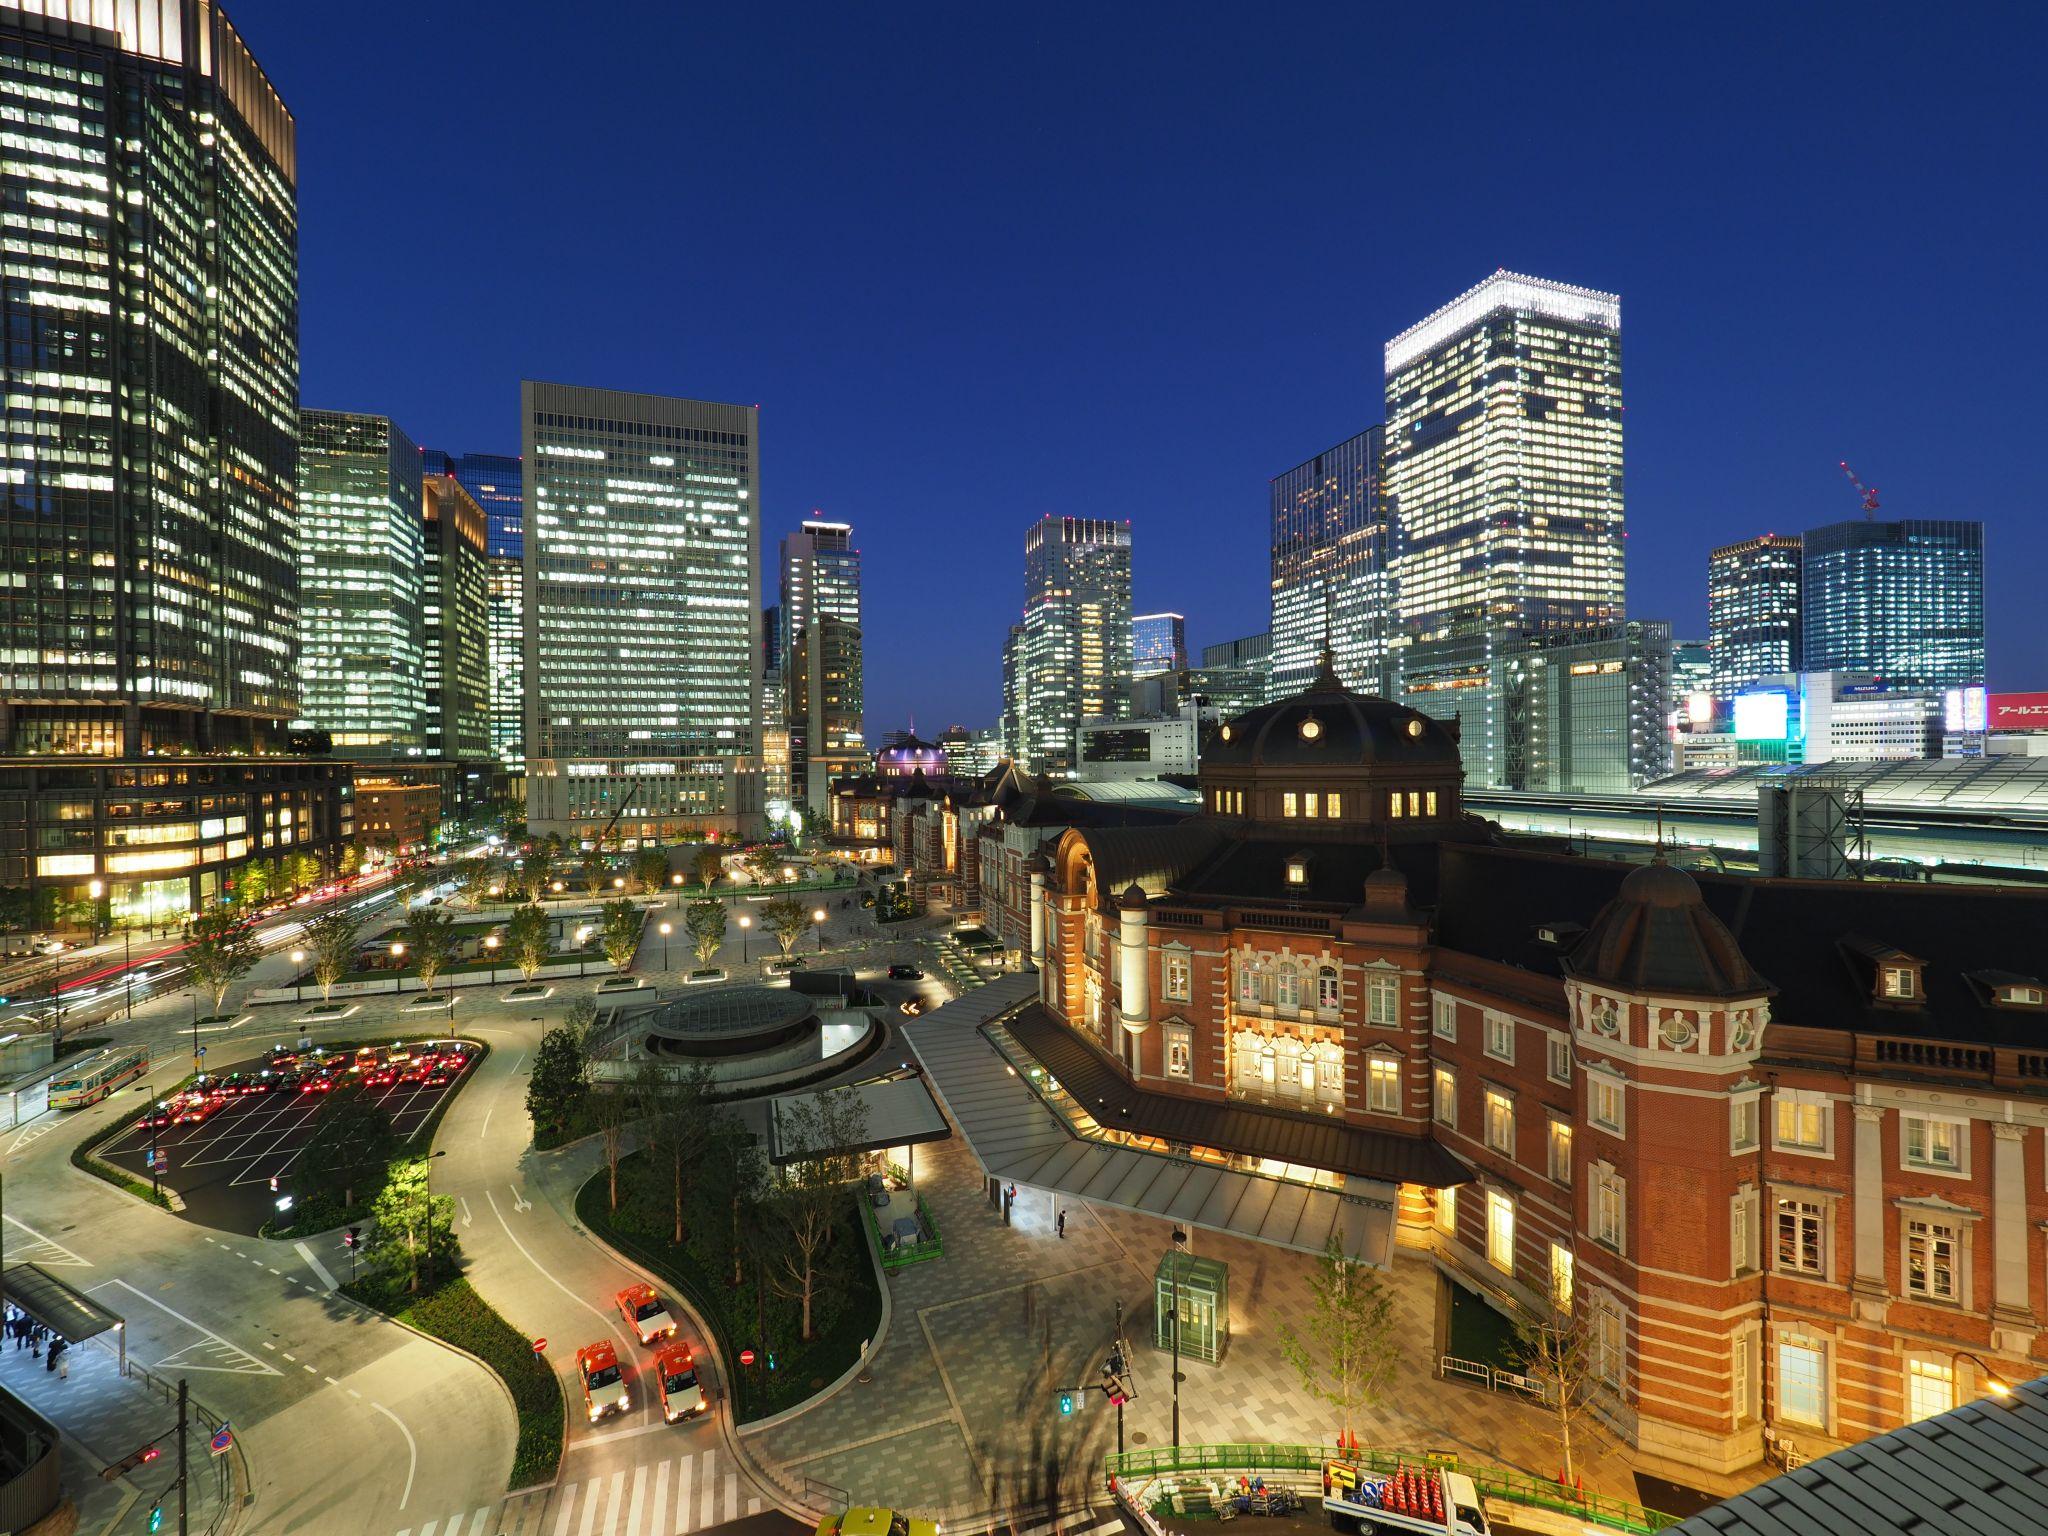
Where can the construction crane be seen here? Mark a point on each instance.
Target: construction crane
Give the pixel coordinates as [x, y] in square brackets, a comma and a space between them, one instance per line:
[1867, 492]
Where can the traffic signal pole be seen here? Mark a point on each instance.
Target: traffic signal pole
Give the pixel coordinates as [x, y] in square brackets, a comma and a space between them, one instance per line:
[182, 1531]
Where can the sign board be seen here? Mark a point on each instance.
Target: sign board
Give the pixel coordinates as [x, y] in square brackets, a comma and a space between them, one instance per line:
[2018, 711]
[222, 1439]
[1963, 710]
[1763, 716]
[540, 1346]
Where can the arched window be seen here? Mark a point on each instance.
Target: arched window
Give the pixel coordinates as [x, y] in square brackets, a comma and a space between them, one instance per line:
[1247, 982]
[1288, 988]
[1285, 1074]
[1329, 994]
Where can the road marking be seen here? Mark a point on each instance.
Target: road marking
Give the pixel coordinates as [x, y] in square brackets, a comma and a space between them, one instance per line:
[309, 1370]
[466, 1218]
[590, 1508]
[33, 1130]
[274, 1272]
[660, 1497]
[519, 1201]
[638, 1505]
[330, 1381]
[193, 1356]
[68, 1257]
[683, 1491]
[318, 1268]
[710, 1495]
[568, 1509]
[293, 1358]
[269, 1346]
[536, 1263]
[485, 1129]
[412, 1452]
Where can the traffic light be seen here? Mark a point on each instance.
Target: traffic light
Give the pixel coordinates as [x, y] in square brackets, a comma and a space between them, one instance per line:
[352, 1238]
[128, 1463]
[1066, 1402]
[156, 1517]
[273, 1183]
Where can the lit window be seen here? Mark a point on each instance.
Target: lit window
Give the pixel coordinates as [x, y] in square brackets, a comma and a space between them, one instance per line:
[1394, 804]
[1335, 807]
[1801, 1241]
[1561, 1150]
[1247, 983]
[1500, 1121]
[1383, 1000]
[1289, 805]
[1429, 803]
[1180, 1052]
[1900, 984]
[1287, 988]
[1803, 1383]
[1445, 1092]
[1447, 1209]
[1444, 1018]
[1297, 872]
[1610, 1208]
[1931, 1249]
[1383, 1085]
[1328, 993]
[1175, 972]
[1742, 1124]
[1742, 1234]
[1500, 1231]
[1562, 1265]
[1930, 1389]
[1607, 1104]
[1414, 803]
[1500, 1037]
[1312, 804]
[1931, 1143]
[1800, 1121]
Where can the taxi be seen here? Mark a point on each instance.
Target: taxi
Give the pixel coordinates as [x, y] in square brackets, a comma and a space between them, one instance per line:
[682, 1395]
[604, 1383]
[644, 1313]
[868, 1521]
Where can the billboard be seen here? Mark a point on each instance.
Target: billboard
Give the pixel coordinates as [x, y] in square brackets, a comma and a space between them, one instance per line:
[2019, 711]
[1763, 716]
[1962, 710]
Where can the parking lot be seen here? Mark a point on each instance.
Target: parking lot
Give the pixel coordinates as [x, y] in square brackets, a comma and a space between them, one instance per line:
[221, 1146]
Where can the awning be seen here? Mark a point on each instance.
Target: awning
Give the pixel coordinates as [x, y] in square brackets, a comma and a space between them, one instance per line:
[1017, 1138]
[67, 1313]
[900, 1112]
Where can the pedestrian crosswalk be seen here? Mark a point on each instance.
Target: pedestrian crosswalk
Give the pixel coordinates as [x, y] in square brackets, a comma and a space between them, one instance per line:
[669, 1497]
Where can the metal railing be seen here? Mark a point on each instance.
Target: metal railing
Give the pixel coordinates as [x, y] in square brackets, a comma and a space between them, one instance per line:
[1493, 1378]
[1497, 1483]
[204, 1426]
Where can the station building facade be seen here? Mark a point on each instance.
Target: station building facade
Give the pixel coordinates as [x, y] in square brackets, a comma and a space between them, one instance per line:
[1778, 1144]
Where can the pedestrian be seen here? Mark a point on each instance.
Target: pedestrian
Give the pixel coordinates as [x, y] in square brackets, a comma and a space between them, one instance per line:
[50, 1364]
[1060, 1222]
[64, 1367]
[35, 1346]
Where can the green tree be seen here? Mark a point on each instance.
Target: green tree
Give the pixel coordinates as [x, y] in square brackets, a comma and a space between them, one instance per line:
[552, 845]
[1352, 1352]
[786, 918]
[622, 924]
[430, 942]
[252, 885]
[350, 864]
[706, 923]
[533, 876]
[351, 1141]
[1559, 1350]
[559, 1082]
[221, 953]
[825, 1131]
[332, 939]
[765, 864]
[415, 1229]
[650, 869]
[529, 939]
[302, 869]
[477, 876]
[678, 1123]
[708, 866]
[592, 869]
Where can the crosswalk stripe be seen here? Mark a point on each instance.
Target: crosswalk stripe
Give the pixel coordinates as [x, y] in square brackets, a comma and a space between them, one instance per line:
[618, 1504]
[658, 1525]
[638, 1506]
[683, 1467]
[710, 1497]
[476, 1522]
[732, 1496]
[568, 1509]
[593, 1496]
[429, 1528]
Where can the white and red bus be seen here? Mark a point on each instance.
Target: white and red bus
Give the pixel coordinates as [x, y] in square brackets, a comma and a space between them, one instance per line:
[93, 1079]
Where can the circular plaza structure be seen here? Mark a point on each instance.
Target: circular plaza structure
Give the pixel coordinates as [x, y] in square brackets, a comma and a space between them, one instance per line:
[749, 1038]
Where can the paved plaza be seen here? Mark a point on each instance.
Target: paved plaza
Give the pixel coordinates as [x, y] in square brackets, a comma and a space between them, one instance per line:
[962, 1418]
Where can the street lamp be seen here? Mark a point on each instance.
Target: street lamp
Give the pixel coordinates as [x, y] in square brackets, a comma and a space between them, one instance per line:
[1994, 1383]
[618, 882]
[1179, 1243]
[788, 875]
[818, 917]
[676, 882]
[398, 970]
[491, 945]
[298, 978]
[746, 922]
[665, 930]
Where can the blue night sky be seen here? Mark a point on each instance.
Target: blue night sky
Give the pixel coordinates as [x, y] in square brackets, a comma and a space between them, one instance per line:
[979, 263]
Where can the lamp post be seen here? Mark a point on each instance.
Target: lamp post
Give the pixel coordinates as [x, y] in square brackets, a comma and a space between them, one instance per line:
[665, 930]
[675, 883]
[427, 1184]
[1994, 1383]
[746, 922]
[398, 971]
[491, 948]
[818, 917]
[298, 979]
[128, 976]
[1179, 1242]
[618, 882]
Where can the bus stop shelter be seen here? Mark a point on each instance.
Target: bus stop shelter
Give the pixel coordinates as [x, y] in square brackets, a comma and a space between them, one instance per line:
[70, 1314]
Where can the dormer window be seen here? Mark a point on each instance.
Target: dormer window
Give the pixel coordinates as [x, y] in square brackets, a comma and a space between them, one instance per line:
[1898, 983]
[1297, 870]
[2020, 997]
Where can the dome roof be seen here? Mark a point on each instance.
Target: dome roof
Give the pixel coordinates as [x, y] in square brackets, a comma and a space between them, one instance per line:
[909, 756]
[1658, 935]
[1332, 726]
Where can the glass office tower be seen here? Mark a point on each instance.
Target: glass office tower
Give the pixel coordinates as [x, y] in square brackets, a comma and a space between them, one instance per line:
[820, 579]
[643, 606]
[1753, 611]
[1503, 484]
[1159, 643]
[497, 483]
[1903, 601]
[1330, 581]
[148, 577]
[362, 553]
[455, 596]
[1072, 654]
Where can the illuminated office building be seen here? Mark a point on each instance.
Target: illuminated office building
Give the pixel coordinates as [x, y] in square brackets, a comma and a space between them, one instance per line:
[820, 572]
[361, 585]
[497, 483]
[148, 578]
[643, 610]
[1902, 601]
[1753, 611]
[1503, 484]
[455, 599]
[1330, 578]
[1159, 643]
[1070, 658]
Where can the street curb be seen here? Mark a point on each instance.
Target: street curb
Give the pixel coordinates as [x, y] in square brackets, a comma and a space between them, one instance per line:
[824, 1394]
[456, 1349]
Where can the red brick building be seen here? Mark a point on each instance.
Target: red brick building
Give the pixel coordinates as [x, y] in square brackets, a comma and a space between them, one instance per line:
[1780, 1143]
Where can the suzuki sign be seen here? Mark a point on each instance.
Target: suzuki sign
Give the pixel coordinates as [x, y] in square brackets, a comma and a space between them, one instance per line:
[2018, 711]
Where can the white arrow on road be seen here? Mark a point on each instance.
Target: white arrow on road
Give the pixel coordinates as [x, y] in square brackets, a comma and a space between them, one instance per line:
[519, 1202]
[465, 1210]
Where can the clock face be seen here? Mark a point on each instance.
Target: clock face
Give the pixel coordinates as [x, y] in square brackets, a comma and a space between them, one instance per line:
[1311, 729]
[1678, 1030]
[1226, 733]
[1414, 727]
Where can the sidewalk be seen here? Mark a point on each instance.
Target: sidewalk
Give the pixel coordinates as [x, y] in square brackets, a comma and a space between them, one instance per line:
[104, 1417]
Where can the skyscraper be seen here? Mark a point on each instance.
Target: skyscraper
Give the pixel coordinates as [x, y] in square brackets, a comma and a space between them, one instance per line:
[1330, 578]
[1503, 485]
[456, 608]
[361, 589]
[1903, 601]
[148, 577]
[1159, 643]
[820, 571]
[1753, 611]
[497, 482]
[1073, 650]
[643, 607]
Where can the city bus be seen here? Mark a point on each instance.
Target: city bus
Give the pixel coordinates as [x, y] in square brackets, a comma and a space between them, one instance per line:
[93, 1080]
